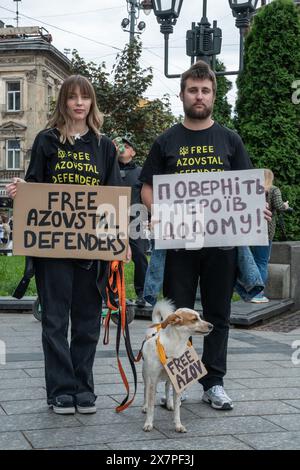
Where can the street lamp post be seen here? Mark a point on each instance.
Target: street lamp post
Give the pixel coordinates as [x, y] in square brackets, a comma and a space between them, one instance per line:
[134, 7]
[202, 41]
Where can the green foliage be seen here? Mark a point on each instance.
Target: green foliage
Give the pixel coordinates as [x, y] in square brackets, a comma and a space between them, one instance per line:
[222, 109]
[268, 120]
[120, 97]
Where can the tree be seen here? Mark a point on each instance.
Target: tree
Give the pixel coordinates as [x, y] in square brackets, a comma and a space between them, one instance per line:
[267, 118]
[222, 109]
[121, 99]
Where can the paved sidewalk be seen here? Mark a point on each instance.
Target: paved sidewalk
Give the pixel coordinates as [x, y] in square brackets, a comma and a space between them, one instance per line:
[261, 379]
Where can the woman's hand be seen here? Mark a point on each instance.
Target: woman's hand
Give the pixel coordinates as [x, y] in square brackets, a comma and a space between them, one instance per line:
[286, 205]
[11, 188]
[128, 254]
[268, 214]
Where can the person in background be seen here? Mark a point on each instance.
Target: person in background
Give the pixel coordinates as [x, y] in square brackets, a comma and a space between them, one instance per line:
[130, 173]
[69, 288]
[4, 233]
[261, 254]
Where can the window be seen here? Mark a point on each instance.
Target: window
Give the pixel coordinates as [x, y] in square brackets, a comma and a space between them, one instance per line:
[13, 152]
[13, 96]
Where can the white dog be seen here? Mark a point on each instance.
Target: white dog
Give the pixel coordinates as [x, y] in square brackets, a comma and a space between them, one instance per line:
[176, 328]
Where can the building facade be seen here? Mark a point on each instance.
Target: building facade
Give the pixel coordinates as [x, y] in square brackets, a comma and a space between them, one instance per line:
[31, 73]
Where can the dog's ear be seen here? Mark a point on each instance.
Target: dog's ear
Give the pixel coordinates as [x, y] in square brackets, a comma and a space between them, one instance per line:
[173, 319]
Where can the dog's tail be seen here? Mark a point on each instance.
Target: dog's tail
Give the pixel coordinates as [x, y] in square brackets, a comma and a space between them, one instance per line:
[162, 309]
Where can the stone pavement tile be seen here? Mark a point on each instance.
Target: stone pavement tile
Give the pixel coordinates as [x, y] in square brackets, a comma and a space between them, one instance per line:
[265, 394]
[36, 421]
[270, 382]
[283, 364]
[2, 412]
[272, 441]
[13, 441]
[220, 426]
[89, 435]
[13, 374]
[257, 357]
[22, 394]
[244, 408]
[21, 365]
[243, 373]
[295, 403]
[288, 423]
[86, 447]
[245, 365]
[21, 384]
[130, 415]
[25, 406]
[40, 406]
[187, 443]
[115, 378]
[235, 343]
[292, 371]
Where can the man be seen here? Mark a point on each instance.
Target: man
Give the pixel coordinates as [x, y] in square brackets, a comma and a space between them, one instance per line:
[188, 148]
[130, 173]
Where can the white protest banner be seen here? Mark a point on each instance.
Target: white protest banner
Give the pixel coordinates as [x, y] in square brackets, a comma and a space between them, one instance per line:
[71, 221]
[185, 370]
[209, 209]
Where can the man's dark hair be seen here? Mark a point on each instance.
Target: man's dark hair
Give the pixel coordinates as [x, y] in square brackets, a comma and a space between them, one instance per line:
[199, 71]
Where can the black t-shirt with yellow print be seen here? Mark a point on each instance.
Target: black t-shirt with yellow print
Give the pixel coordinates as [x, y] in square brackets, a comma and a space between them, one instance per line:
[181, 150]
[90, 161]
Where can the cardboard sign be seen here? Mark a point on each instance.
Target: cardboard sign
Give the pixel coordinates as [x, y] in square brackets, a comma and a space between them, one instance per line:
[71, 221]
[198, 210]
[185, 370]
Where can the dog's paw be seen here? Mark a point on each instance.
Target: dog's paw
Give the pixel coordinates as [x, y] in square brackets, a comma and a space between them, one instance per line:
[180, 428]
[144, 409]
[170, 406]
[148, 427]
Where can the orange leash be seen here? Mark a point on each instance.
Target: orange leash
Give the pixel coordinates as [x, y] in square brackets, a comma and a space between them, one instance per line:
[116, 287]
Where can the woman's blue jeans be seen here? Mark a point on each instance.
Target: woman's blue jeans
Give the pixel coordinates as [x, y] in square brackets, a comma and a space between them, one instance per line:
[261, 255]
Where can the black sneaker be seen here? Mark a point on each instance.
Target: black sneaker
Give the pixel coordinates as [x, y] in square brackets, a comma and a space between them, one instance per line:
[63, 405]
[140, 302]
[85, 403]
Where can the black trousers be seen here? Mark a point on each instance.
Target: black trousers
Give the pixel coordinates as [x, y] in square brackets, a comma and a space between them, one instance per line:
[216, 269]
[68, 291]
[140, 264]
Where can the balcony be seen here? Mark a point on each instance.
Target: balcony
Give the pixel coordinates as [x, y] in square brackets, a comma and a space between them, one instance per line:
[7, 175]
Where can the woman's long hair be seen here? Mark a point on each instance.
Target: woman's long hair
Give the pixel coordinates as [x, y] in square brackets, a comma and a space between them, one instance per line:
[269, 178]
[60, 117]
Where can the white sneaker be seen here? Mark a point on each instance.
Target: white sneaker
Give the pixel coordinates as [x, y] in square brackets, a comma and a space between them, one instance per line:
[260, 300]
[217, 398]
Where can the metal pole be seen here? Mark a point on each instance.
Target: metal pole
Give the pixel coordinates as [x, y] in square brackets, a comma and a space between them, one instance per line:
[204, 8]
[166, 35]
[241, 67]
[133, 5]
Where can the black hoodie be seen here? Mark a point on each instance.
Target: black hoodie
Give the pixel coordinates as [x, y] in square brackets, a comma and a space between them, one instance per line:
[90, 161]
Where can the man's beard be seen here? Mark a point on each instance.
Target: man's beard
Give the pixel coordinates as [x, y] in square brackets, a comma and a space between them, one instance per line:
[194, 113]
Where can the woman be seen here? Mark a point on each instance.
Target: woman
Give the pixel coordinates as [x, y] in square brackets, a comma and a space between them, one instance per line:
[71, 150]
[262, 254]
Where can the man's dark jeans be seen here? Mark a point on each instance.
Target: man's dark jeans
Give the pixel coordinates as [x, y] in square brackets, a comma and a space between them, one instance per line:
[216, 269]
